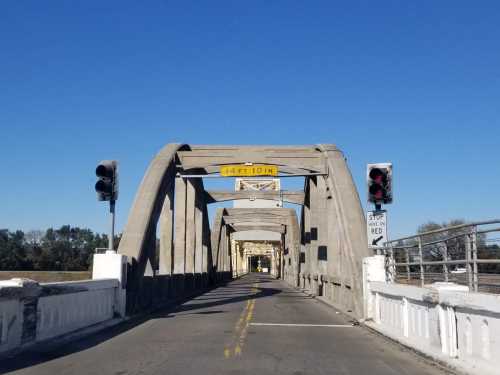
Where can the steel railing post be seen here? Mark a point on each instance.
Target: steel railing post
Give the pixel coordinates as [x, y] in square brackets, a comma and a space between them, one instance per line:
[420, 254]
[468, 260]
[474, 259]
[445, 258]
[407, 253]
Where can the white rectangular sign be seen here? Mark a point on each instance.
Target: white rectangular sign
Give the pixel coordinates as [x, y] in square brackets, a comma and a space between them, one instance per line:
[376, 226]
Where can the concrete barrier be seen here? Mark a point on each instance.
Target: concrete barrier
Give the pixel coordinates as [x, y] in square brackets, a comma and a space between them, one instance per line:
[31, 313]
[83, 304]
[442, 320]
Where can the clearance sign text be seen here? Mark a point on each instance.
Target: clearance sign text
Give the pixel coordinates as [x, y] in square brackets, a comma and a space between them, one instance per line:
[241, 170]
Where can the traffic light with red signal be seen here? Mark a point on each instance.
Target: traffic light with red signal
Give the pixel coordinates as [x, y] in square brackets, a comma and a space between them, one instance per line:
[379, 180]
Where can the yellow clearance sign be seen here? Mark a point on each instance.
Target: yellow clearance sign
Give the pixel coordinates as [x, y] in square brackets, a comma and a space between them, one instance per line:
[241, 170]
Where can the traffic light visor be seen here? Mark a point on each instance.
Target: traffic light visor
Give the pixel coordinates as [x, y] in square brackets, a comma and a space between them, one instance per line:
[104, 170]
[377, 175]
[104, 187]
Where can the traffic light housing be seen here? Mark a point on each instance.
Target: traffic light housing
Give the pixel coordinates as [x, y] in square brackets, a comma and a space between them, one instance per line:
[107, 183]
[379, 180]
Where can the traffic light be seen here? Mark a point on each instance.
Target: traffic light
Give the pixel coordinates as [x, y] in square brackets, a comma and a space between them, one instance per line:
[379, 179]
[107, 183]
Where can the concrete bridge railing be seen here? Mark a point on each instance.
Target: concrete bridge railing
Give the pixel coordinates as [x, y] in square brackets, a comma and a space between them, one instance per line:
[442, 320]
[32, 313]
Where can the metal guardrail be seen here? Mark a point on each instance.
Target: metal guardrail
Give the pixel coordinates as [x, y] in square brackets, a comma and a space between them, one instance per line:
[468, 254]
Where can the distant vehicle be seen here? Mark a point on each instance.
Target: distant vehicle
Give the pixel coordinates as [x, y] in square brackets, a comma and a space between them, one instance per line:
[459, 270]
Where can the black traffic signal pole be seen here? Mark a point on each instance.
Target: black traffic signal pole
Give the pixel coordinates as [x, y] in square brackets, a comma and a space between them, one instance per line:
[112, 229]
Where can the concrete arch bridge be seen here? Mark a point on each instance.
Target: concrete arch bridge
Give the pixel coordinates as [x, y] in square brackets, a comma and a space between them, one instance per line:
[216, 318]
[321, 250]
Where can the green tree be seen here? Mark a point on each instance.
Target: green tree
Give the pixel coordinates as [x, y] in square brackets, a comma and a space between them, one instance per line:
[64, 249]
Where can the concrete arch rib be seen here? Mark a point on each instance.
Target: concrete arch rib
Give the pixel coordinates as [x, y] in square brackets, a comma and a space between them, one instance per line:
[139, 236]
[148, 201]
[347, 221]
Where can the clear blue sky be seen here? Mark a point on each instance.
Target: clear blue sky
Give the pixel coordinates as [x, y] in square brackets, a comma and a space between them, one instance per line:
[414, 83]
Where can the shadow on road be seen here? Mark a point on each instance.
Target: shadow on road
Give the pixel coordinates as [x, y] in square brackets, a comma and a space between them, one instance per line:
[232, 292]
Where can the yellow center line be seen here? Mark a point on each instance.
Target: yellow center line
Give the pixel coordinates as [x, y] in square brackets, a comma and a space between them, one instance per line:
[241, 327]
[243, 334]
[237, 327]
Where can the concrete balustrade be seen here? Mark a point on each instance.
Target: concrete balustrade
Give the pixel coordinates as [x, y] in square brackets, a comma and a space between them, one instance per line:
[83, 304]
[31, 313]
[442, 320]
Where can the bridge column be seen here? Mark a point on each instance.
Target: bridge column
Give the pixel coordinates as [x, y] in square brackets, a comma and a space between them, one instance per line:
[179, 234]
[336, 258]
[229, 254]
[198, 253]
[166, 234]
[240, 262]
[243, 260]
[227, 249]
[323, 233]
[220, 252]
[234, 256]
[307, 236]
[273, 264]
[207, 246]
[294, 247]
[303, 245]
[190, 233]
[285, 268]
[315, 203]
[223, 250]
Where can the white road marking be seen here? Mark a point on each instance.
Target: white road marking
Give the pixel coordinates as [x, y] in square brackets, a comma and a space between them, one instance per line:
[303, 325]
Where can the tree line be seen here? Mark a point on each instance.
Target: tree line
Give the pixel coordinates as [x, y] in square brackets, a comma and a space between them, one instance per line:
[64, 249]
[71, 248]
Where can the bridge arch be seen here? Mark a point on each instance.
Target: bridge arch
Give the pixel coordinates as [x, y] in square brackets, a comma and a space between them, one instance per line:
[323, 252]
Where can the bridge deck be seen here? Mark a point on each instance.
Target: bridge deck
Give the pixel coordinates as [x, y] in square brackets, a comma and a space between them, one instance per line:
[254, 325]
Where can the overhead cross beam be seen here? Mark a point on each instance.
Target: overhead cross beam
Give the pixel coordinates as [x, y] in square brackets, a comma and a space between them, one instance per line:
[257, 226]
[254, 219]
[276, 211]
[295, 160]
[296, 197]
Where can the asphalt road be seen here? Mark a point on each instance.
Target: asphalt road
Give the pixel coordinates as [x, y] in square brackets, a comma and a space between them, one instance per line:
[254, 325]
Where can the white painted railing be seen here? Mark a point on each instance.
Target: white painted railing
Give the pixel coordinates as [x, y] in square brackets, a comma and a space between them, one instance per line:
[60, 314]
[442, 320]
[31, 313]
